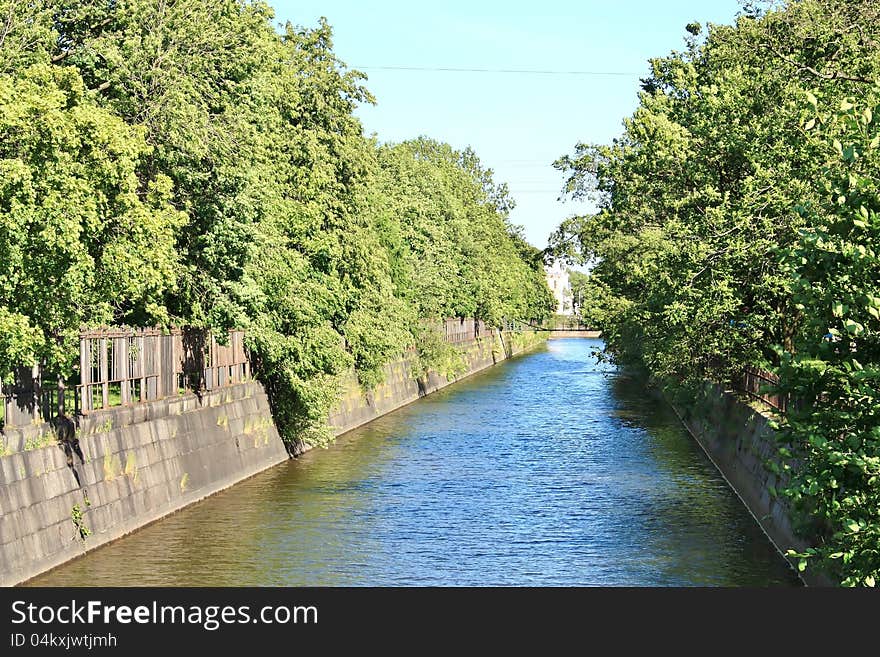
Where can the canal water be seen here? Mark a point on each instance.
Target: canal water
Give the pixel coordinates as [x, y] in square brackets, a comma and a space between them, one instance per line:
[551, 469]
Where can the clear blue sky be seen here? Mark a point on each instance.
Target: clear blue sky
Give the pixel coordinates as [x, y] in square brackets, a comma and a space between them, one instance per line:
[517, 123]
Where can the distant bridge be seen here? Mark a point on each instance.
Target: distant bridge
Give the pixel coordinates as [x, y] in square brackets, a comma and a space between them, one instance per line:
[567, 330]
[573, 333]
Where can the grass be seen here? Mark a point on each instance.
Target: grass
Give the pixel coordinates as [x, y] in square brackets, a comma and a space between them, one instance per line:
[43, 439]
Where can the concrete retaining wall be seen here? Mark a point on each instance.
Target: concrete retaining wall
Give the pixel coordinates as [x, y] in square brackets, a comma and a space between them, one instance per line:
[738, 440]
[130, 466]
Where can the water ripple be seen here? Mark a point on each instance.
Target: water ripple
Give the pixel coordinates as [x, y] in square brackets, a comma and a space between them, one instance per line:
[548, 470]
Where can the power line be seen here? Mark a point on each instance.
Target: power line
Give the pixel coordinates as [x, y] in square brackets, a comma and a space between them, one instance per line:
[449, 69]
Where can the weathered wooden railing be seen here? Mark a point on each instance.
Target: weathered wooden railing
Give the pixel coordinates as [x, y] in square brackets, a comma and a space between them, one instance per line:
[125, 366]
[753, 379]
[463, 329]
[122, 366]
[119, 367]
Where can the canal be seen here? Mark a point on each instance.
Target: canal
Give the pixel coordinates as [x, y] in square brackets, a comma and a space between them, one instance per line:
[551, 469]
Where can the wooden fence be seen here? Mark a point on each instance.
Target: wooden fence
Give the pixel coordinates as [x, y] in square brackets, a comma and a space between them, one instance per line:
[754, 379]
[122, 366]
[119, 367]
[463, 329]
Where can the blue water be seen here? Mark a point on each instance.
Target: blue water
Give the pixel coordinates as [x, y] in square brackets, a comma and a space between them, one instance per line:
[548, 470]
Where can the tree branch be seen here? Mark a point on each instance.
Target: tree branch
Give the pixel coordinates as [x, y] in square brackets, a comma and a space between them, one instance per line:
[835, 75]
[60, 57]
[8, 26]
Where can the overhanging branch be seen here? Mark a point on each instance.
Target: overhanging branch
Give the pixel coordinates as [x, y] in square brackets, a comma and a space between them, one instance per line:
[834, 75]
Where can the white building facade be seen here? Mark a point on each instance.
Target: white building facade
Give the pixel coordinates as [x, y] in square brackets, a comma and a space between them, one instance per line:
[557, 281]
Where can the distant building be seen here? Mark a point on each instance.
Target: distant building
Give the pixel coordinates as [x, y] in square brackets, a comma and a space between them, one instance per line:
[557, 281]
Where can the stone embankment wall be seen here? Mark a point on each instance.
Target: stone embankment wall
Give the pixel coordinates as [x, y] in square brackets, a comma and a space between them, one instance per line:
[738, 439]
[127, 467]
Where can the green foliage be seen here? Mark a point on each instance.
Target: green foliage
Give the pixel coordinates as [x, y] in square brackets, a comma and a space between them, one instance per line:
[453, 253]
[86, 234]
[76, 515]
[832, 434]
[736, 228]
[434, 354]
[26, 34]
[694, 199]
[592, 299]
[188, 163]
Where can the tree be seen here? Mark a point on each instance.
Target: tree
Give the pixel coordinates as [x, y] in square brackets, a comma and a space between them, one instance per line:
[831, 432]
[86, 231]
